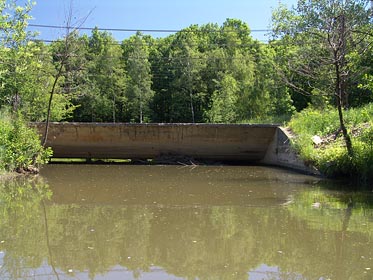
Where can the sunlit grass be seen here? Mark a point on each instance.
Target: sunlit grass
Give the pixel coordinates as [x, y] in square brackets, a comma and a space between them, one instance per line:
[331, 156]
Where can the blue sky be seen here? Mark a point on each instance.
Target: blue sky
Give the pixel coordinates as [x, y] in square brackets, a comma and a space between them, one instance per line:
[151, 14]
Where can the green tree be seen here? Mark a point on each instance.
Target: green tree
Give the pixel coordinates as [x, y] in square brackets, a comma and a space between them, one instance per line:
[188, 62]
[224, 101]
[238, 57]
[326, 33]
[20, 93]
[35, 87]
[162, 76]
[190, 68]
[179, 64]
[101, 94]
[139, 92]
[14, 50]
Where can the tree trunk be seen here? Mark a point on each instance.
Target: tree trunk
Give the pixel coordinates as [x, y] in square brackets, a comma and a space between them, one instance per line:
[65, 55]
[113, 108]
[339, 95]
[141, 113]
[345, 134]
[45, 137]
[192, 107]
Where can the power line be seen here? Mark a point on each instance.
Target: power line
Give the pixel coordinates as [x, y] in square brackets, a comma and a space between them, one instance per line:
[118, 43]
[141, 30]
[104, 29]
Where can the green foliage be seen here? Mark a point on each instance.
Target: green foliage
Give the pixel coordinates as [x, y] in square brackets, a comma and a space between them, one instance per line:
[224, 101]
[185, 77]
[275, 119]
[100, 81]
[331, 157]
[20, 146]
[319, 51]
[199, 69]
[206, 73]
[26, 68]
[312, 121]
[137, 65]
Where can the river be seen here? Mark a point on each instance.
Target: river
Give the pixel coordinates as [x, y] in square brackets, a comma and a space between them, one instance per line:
[183, 222]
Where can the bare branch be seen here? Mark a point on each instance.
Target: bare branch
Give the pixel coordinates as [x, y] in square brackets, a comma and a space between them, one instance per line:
[64, 58]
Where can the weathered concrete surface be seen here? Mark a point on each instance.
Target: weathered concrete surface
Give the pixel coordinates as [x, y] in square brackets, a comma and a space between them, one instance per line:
[144, 141]
[266, 144]
[281, 153]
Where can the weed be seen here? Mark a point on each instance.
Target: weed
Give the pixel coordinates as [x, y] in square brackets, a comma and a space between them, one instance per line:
[331, 156]
[20, 146]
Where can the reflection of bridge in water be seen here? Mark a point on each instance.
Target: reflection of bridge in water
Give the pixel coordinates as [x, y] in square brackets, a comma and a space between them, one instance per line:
[266, 144]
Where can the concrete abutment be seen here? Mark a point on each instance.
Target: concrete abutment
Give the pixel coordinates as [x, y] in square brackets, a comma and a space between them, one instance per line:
[264, 144]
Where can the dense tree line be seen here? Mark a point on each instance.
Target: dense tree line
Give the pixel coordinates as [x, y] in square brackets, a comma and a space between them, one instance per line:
[207, 73]
[319, 56]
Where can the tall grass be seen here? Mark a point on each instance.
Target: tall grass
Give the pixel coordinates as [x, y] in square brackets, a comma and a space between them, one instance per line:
[331, 157]
[281, 120]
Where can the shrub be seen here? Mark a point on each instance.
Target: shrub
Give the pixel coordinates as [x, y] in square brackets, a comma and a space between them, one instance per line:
[20, 146]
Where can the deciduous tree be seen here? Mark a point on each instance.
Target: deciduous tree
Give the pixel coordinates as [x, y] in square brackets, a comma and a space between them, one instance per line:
[139, 92]
[326, 33]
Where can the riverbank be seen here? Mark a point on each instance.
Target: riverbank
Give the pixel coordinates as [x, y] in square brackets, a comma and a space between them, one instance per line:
[316, 137]
[8, 175]
[319, 141]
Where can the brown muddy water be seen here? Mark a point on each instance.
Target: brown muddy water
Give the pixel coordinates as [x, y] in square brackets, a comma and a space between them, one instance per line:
[183, 222]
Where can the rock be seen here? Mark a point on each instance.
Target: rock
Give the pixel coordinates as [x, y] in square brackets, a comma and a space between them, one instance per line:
[316, 140]
[316, 205]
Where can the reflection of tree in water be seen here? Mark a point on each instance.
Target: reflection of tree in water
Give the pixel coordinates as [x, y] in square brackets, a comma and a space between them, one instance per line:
[349, 215]
[214, 242]
[21, 225]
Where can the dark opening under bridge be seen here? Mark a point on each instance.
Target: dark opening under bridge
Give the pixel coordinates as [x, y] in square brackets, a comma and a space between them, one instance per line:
[267, 144]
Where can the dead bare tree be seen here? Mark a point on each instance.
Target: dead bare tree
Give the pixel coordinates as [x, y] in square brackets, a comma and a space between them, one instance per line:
[67, 52]
[324, 31]
[337, 42]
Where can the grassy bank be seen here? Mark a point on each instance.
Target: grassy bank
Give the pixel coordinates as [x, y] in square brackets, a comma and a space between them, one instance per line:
[320, 142]
[20, 148]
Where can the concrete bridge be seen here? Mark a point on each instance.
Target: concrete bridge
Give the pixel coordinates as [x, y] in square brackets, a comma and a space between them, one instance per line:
[267, 144]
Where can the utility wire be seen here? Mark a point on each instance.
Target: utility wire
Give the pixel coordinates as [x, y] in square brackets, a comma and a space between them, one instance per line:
[118, 43]
[142, 30]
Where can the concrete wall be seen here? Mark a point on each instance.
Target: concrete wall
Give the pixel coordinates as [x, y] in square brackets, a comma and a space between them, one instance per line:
[281, 153]
[266, 144]
[200, 141]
